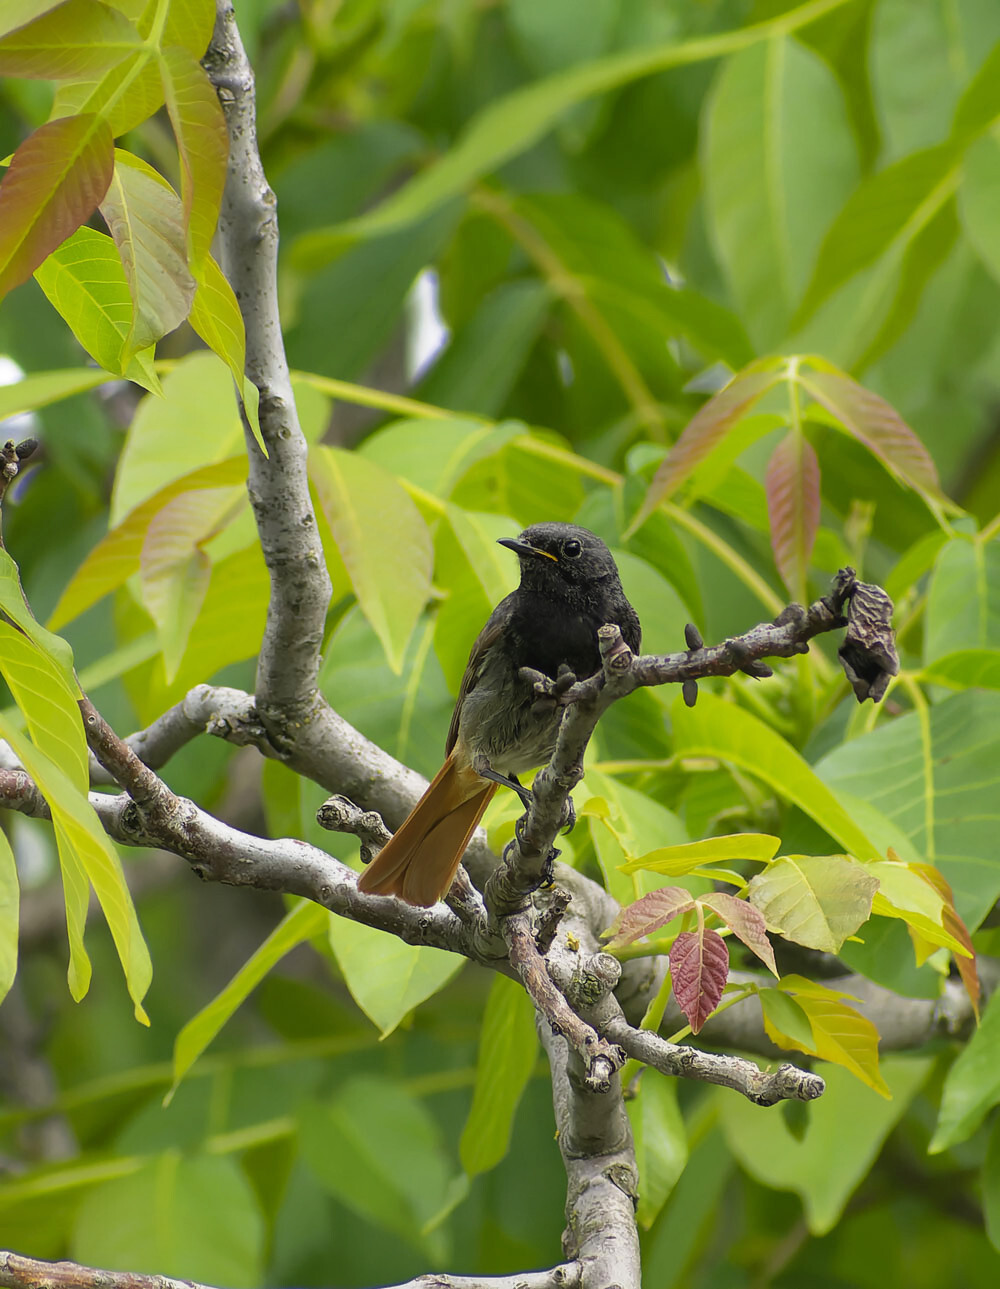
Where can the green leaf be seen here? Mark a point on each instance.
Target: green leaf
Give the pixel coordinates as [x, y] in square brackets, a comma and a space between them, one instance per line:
[979, 201]
[388, 978]
[922, 54]
[13, 603]
[508, 1047]
[17, 13]
[477, 370]
[880, 219]
[963, 599]
[660, 1139]
[9, 901]
[827, 1165]
[972, 1086]
[942, 793]
[989, 1181]
[81, 38]
[769, 190]
[965, 669]
[202, 143]
[85, 282]
[56, 758]
[215, 316]
[636, 822]
[195, 423]
[814, 900]
[54, 182]
[44, 387]
[675, 861]
[123, 97]
[145, 219]
[378, 1150]
[406, 713]
[512, 123]
[302, 923]
[382, 539]
[785, 1022]
[188, 1217]
[720, 729]
[435, 453]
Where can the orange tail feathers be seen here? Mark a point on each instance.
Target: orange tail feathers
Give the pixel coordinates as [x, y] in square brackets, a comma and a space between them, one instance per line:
[420, 860]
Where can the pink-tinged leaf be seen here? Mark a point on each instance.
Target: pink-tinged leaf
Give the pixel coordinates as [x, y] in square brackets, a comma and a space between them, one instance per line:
[202, 144]
[648, 914]
[707, 429]
[792, 487]
[146, 220]
[55, 181]
[955, 926]
[699, 968]
[876, 424]
[118, 555]
[744, 921]
[79, 39]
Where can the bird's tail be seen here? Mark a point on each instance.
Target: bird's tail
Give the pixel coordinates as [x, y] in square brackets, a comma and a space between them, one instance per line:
[420, 860]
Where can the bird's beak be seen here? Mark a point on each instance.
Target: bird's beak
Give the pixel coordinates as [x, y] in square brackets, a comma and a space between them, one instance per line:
[523, 550]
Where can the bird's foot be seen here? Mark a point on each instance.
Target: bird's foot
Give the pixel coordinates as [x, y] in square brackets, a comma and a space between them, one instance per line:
[567, 820]
[549, 693]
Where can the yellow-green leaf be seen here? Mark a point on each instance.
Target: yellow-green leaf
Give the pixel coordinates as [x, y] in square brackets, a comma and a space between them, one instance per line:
[8, 915]
[382, 539]
[814, 900]
[678, 860]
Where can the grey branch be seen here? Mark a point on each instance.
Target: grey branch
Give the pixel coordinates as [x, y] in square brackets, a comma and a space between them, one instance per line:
[278, 484]
[17, 1272]
[601, 1175]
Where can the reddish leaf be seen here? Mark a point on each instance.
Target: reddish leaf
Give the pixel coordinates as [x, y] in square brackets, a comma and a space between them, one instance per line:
[708, 427]
[81, 38]
[876, 424]
[744, 921]
[202, 144]
[699, 968]
[56, 178]
[649, 913]
[792, 486]
[954, 925]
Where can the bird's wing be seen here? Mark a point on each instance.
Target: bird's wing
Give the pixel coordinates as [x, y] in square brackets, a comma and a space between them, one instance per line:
[487, 638]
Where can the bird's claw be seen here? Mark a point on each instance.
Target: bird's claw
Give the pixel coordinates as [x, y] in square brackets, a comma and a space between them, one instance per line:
[567, 820]
[549, 693]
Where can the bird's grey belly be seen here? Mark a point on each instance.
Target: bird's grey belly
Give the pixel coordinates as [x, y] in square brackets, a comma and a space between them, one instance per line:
[497, 722]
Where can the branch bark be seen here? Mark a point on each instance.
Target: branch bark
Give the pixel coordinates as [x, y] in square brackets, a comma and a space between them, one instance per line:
[17, 1272]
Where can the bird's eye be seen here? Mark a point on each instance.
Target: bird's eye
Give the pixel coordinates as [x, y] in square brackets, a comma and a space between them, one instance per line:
[572, 549]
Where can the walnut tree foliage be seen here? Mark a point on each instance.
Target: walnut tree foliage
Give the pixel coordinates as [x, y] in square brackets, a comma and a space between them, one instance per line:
[719, 281]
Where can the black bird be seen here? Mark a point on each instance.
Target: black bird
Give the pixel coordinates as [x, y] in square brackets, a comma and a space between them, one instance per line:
[569, 588]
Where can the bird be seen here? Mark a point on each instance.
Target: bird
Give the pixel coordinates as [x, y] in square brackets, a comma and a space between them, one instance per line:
[569, 588]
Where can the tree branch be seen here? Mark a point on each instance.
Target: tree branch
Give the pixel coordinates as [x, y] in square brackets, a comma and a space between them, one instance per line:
[278, 484]
[17, 1272]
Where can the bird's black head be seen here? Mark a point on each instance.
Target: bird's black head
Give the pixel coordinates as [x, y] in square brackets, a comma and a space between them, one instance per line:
[562, 554]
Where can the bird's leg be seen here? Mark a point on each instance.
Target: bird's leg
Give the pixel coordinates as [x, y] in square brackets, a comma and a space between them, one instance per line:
[485, 771]
[567, 820]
